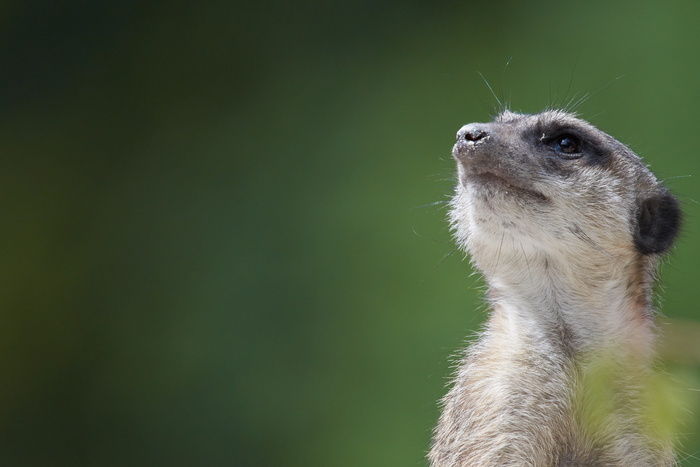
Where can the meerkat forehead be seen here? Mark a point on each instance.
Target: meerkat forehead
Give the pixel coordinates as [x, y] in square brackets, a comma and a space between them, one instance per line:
[548, 122]
[542, 175]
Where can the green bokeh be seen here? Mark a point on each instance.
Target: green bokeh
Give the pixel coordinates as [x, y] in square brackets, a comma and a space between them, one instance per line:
[218, 233]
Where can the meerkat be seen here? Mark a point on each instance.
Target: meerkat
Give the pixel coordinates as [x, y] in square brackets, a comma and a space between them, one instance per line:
[567, 226]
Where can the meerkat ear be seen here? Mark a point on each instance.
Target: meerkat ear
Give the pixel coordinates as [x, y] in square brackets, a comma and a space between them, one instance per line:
[658, 223]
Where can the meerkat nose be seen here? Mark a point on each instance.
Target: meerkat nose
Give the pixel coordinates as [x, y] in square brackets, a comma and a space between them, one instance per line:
[472, 132]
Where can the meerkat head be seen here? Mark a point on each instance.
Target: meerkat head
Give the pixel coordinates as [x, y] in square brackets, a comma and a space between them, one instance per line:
[551, 182]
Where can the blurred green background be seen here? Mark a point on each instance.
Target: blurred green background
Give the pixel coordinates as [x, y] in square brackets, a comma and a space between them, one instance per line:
[215, 242]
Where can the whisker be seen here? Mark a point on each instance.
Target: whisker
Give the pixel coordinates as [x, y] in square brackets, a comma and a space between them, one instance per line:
[491, 89]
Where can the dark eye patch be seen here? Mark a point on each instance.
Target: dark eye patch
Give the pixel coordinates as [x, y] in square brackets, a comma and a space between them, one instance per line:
[566, 144]
[569, 145]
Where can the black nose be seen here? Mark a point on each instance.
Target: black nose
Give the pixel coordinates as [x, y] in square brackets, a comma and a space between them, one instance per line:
[472, 132]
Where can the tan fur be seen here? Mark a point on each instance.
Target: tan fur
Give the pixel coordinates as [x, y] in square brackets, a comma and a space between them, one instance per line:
[561, 372]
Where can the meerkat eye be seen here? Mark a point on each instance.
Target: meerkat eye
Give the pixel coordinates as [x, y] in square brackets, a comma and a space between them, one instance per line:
[566, 144]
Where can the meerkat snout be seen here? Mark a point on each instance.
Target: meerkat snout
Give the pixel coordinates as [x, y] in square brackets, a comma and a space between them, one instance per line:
[472, 132]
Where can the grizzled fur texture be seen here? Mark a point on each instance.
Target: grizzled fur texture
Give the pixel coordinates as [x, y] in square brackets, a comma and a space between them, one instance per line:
[567, 226]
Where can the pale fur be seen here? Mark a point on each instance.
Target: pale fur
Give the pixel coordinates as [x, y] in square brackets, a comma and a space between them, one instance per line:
[569, 295]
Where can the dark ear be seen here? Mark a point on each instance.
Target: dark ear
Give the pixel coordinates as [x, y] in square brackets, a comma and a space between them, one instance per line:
[658, 222]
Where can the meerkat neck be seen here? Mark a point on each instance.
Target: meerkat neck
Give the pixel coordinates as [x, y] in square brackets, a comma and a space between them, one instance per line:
[572, 329]
[580, 305]
[546, 347]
